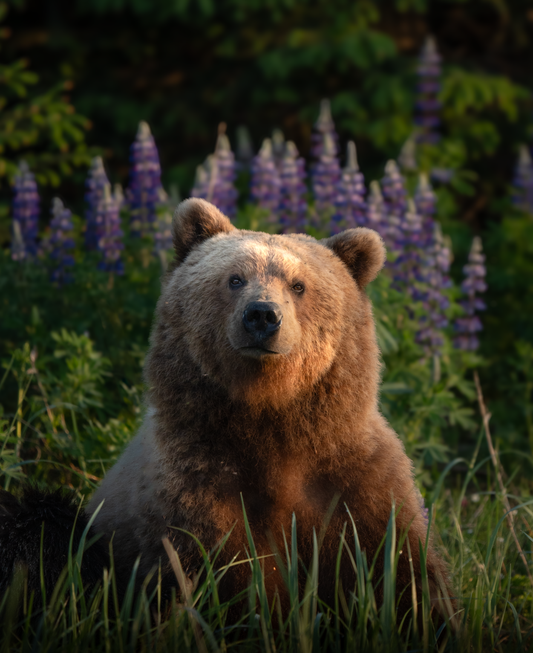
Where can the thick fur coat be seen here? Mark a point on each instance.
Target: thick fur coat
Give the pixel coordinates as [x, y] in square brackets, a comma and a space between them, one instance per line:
[291, 426]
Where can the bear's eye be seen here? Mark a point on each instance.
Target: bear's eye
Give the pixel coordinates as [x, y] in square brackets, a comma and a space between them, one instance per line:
[235, 281]
[298, 287]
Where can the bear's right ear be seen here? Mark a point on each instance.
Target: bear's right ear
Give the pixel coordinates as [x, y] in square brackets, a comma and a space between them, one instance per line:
[196, 220]
[362, 250]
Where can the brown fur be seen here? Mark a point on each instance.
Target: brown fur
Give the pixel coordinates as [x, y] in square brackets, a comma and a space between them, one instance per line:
[290, 432]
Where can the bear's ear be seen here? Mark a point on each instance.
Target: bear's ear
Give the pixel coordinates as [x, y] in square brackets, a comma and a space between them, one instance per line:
[362, 250]
[196, 220]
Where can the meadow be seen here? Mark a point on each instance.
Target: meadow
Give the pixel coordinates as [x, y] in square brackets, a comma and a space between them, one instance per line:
[77, 296]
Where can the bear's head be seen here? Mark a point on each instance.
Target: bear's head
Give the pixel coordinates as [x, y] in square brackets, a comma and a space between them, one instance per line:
[265, 316]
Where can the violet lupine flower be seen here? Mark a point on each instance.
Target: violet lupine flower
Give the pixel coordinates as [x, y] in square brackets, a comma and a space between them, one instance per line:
[407, 156]
[245, 150]
[436, 265]
[408, 265]
[25, 214]
[163, 227]
[221, 188]
[278, 147]
[351, 205]
[324, 125]
[326, 175]
[395, 197]
[94, 196]
[425, 201]
[61, 244]
[427, 105]
[474, 283]
[376, 217]
[201, 183]
[265, 186]
[110, 241]
[523, 181]
[145, 181]
[293, 206]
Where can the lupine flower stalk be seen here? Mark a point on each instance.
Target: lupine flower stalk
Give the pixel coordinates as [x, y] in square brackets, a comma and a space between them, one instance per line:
[221, 189]
[351, 206]
[293, 207]
[163, 228]
[324, 125]
[426, 200]
[376, 217]
[60, 243]
[201, 183]
[407, 156]
[265, 187]
[145, 181]
[278, 147]
[436, 265]
[94, 196]
[245, 150]
[523, 181]
[427, 105]
[25, 214]
[474, 283]
[407, 266]
[110, 241]
[395, 197]
[326, 176]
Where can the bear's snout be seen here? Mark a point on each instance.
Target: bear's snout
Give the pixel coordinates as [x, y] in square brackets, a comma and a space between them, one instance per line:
[262, 320]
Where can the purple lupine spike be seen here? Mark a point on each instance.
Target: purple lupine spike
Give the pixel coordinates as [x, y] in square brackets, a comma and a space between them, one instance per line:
[436, 264]
[427, 105]
[110, 241]
[351, 206]
[278, 147]
[61, 243]
[293, 207]
[473, 284]
[221, 188]
[245, 149]
[426, 200]
[25, 214]
[407, 156]
[326, 175]
[376, 217]
[324, 125]
[523, 181]
[395, 197]
[265, 186]
[118, 195]
[407, 266]
[94, 196]
[145, 181]
[163, 228]
[201, 183]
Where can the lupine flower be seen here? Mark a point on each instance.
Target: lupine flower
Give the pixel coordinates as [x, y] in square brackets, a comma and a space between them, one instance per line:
[110, 241]
[425, 200]
[395, 197]
[326, 175]
[221, 190]
[60, 243]
[265, 187]
[245, 150]
[427, 106]
[118, 195]
[145, 181]
[25, 214]
[473, 284]
[94, 196]
[201, 183]
[407, 266]
[407, 156]
[324, 125]
[293, 207]
[351, 205]
[436, 265]
[523, 181]
[163, 228]
[278, 147]
[376, 217]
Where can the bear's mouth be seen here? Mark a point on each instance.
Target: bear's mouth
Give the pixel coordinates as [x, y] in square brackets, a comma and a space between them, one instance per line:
[255, 351]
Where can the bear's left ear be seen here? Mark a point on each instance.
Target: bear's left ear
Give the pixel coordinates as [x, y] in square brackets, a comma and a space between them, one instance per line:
[362, 250]
[196, 220]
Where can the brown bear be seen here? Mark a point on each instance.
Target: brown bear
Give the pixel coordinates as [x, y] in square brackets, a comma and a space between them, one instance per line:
[263, 377]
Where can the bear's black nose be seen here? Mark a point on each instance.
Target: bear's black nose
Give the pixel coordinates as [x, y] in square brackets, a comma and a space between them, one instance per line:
[262, 319]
